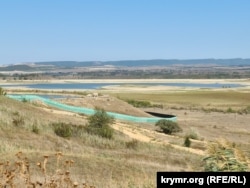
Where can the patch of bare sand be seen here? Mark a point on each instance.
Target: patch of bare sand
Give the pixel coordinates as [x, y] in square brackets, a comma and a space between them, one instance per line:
[242, 81]
[145, 135]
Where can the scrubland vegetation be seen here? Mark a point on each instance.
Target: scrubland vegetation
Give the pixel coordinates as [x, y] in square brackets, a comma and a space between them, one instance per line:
[101, 162]
[224, 156]
[168, 127]
[142, 104]
[41, 147]
[228, 101]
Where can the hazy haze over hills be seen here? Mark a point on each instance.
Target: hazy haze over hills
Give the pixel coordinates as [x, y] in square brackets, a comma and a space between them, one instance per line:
[153, 62]
[128, 63]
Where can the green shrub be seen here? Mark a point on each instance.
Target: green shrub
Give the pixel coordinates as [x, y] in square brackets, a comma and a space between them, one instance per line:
[35, 129]
[230, 110]
[139, 104]
[78, 130]
[223, 156]
[2, 92]
[187, 142]
[62, 129]
[99, 124]
[105, 131]
[24, 100]
[168, 127]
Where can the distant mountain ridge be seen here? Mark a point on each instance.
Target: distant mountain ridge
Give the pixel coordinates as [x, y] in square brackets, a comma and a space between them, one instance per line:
[153, 62]
[48, 65]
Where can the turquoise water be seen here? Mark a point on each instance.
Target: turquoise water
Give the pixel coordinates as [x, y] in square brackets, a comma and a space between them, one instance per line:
[65, 86]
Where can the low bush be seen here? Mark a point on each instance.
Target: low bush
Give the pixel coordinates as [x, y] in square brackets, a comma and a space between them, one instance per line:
[223, 156]
[187, 142]
[168, 127]
[139, 104]
[209, 110]
[105, 131]
[62, 129]
[230, 110]
[99, 124]
[35, 129]
[24, 100]
[78, 130]
[2, 92]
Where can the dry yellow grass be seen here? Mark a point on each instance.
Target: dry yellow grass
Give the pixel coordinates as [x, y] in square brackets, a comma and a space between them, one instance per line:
[117, 163]
[98, 161]
[220, 99]
[206, 111]
[20, 173]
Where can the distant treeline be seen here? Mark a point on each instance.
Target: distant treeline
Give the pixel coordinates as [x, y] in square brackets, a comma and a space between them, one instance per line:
[133, 74]
[54, 65]
[140, 69]
[153, 62]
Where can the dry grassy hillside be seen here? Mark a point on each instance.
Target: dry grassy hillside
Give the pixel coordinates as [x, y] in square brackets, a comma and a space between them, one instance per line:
[118, 162]
[107, 102]
[212, 114]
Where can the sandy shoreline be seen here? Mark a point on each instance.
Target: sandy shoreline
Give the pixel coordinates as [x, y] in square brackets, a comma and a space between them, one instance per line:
[240, 81]
[130, 87]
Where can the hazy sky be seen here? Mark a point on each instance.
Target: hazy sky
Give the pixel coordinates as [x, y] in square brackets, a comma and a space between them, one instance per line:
[82, 30]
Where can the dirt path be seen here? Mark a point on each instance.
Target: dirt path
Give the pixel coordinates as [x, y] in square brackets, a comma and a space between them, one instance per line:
[145, 135]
